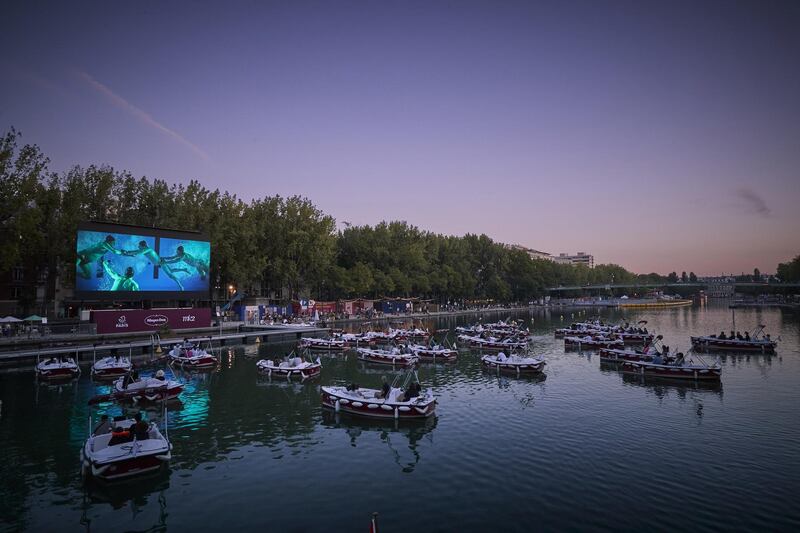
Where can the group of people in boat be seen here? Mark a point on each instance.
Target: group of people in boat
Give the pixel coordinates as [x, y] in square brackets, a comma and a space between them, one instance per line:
[133, 377]
[413, 390]
[627, 328]
[734, 336]
[139, 430]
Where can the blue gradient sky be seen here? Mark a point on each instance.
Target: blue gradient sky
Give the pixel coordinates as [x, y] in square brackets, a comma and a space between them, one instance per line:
[661, 136]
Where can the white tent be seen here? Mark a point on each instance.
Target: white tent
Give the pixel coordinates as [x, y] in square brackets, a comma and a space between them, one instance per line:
[10, 319]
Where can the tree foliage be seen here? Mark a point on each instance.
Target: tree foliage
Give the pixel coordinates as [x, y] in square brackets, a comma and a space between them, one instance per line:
[789, 272]
[280, 245]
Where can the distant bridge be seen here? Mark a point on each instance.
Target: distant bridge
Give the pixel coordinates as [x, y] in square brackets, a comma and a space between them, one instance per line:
[689, 285]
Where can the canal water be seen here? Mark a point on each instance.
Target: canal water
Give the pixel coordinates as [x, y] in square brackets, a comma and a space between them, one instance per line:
[585, 448]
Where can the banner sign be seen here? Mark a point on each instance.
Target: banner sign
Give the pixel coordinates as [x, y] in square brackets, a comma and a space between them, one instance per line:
[136, 320]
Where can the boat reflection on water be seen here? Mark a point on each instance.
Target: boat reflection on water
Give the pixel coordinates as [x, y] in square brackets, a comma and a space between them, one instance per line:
[662, 383]
[135, 494]
[388, 431]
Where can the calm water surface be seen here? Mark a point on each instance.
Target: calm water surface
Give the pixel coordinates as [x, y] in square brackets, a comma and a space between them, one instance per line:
[586, 448]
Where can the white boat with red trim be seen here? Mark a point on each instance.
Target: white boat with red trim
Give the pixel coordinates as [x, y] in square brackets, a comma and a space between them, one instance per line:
[147, 389]
[513, 364]
[647, 353]
[122, 452]
[323, 345]
[290, 367]
[414, 334]
[355, 340]
[758, 343]
[57, 368]
[112, 366]
[680, 368]
[399, 403]
[590, 342]
[432, 353]
[191, 356]
[493, 343]
[392, 357]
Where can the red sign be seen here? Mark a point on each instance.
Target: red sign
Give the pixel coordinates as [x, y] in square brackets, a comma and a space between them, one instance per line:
[135, 320]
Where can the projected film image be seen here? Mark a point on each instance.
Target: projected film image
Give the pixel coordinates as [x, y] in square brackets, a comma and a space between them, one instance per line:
[121, 262]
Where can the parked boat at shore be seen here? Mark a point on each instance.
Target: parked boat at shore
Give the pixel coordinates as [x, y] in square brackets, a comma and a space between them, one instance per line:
[112, 366]
[57, 369]
[190, 356]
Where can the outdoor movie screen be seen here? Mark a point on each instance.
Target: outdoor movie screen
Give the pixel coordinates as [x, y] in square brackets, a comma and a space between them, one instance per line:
[132, 262]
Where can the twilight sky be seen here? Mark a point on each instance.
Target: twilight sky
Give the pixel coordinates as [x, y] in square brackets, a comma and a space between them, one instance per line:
[658, 135]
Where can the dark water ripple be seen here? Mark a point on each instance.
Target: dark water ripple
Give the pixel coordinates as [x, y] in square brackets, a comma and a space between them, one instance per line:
[584, 448]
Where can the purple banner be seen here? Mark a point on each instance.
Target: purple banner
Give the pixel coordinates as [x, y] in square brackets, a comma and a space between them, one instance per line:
[135, 320]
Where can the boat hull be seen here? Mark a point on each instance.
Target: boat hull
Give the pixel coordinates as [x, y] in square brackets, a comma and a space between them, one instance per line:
[720, 345]
[670, 372]
[303, 373]
[514, 368]
[58, 374]
[377, 409]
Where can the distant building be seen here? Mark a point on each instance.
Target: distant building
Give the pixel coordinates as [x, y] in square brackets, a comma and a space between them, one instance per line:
[533, 254]
[580, 258]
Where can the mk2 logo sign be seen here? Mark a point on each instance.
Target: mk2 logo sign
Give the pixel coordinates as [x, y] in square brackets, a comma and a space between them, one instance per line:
[155, 321]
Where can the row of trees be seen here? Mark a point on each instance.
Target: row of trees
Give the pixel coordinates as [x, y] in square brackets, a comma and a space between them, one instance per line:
[266, 244]
[789, 272]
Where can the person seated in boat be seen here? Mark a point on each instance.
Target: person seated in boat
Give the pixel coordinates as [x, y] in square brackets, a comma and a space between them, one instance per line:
[413, 391]
[501, 357]
[120, 435]
[103, 427]
[352, 387]
[658, 360]
[722, 336]
[160, 375]
[385, 389]
[141, 429]
[679, 359]
[747, 335]
[732, 335]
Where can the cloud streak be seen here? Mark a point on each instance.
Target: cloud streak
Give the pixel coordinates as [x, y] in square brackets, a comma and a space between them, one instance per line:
[753, 202]
[138, 113]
